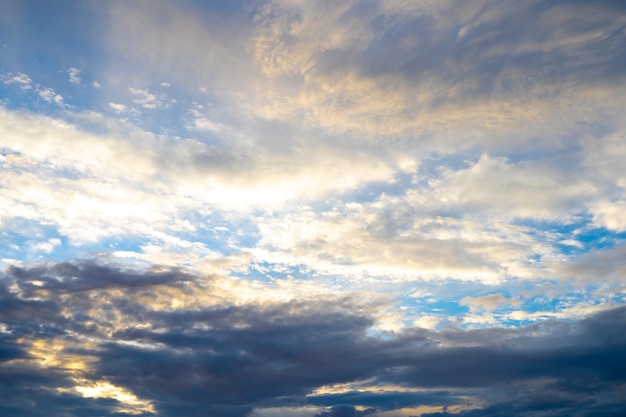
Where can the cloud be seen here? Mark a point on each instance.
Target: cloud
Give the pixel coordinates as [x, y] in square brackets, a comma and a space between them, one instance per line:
[117, 108]
[113, 182]
[87, 276]
[346, 411]
[610, 214]
[397, 237]
[526, 189]
[47, 246]
[253, 157]
[190, 45]
[87, 325]
[23, 80]
[329, 208]
[48, 94]
[602, 266]
[73, 75]
[149, 100]
[454, 71]
[487, 302]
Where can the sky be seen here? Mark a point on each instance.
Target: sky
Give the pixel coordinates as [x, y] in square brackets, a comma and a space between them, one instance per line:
[289, 208]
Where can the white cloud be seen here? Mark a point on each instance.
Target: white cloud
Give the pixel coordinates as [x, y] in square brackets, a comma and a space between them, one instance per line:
[387, 241]
[385, 71]
[46, 246]
[23, 80]
[117, 107]
[114, 184]
[149, 100]
[48, 94]
[488, 303]
[604, 163]
[545, 189]
[73, 75]
[610, 214]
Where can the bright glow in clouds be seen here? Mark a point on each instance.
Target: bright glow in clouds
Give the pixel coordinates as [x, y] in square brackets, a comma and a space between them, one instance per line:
[130, 403]
[315, 209]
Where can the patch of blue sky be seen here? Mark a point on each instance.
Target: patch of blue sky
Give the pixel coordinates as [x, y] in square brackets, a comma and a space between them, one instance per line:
[167, 120]
[544, 303]
[574, 238]
[165, 109]
[432, 165]
[159, 108]
[21, 96]
[599, 238]
[554, 226]
[446, 307]
[452, 300]
[366, 193]
[451, 308]
[269, 272]
[59, 101]
[112, 245]
[26, 240]
[435, 300]
[236, 232]
[54, 37]
[215, 231]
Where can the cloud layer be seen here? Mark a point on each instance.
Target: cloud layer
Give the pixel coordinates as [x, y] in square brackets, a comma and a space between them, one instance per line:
[75, 329]
[314, 209]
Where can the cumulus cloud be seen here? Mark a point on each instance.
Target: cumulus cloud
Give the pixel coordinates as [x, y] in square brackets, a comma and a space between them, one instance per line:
[397, 237]
[47, 246]
[73, 75]
[117, 107]
[48, 94]
[149, 100]
[23, 80]
[527, 189]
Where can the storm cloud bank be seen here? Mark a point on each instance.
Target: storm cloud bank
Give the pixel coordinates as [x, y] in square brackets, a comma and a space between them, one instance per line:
[70, 328]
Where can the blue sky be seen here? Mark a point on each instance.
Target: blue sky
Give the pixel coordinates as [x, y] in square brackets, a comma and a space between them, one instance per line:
[287, 208]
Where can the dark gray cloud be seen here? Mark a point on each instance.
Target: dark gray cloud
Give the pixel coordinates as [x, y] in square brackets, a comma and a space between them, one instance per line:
[346, 411]
[88, 276]
[388, 400]
[226, 359]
